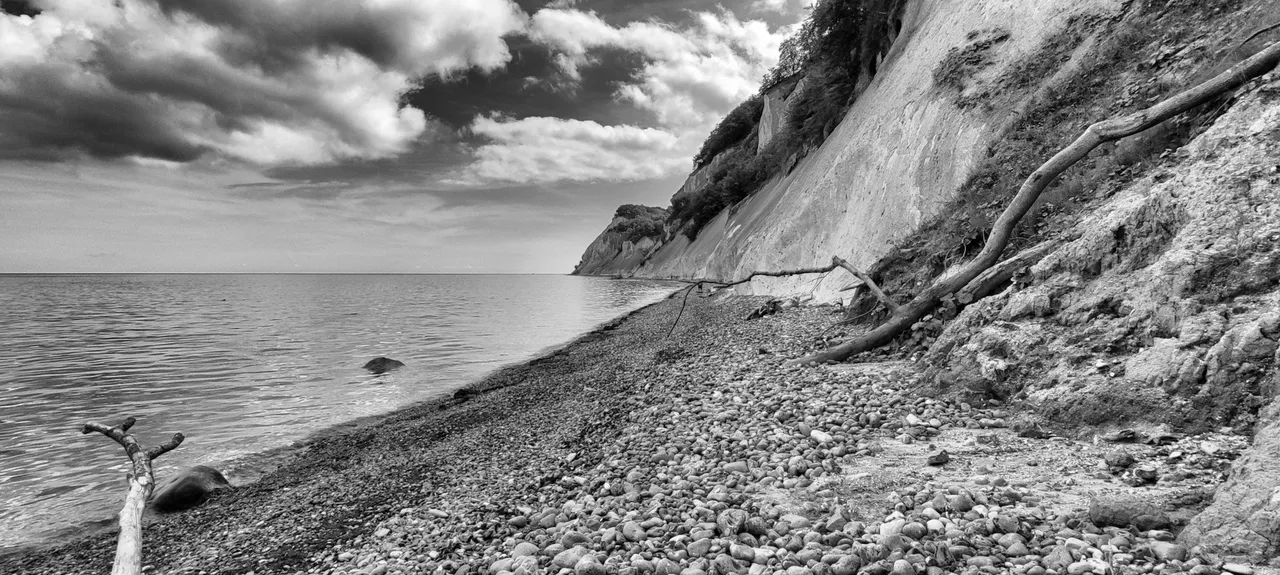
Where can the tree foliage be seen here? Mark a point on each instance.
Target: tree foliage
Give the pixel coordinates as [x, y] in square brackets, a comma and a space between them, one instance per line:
[736, 126]
[639, 222]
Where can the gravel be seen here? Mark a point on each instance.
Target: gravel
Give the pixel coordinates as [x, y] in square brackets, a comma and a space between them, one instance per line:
[630, 454]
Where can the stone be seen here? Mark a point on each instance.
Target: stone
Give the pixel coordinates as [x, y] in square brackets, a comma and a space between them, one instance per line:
[960, 502]
[903, 567]
[1244, 519]
[633, 532]
[589, 566]
[666, 566]
[524, 549]
[189, 489]
[820, 437]
[737, 467]
[1017, 550]
[569, 558]
[1058, 559]
[847, 565]
[571, 540]
[1118, 459]
[742, 552]
[1124, 511]
[699, 548]
[381, 365]
[892, 527]
[939, 458]
[1237, 569]
[1166, 551]
[1079, 568]
[731, 521]
[914, 530]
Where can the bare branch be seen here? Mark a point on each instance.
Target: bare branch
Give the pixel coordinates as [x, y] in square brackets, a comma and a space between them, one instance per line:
[871, 286]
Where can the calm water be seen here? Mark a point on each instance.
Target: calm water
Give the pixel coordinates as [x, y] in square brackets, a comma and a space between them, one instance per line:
[241, 364]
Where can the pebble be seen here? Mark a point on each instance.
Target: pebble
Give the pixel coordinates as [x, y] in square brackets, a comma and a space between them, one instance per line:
[749, 482]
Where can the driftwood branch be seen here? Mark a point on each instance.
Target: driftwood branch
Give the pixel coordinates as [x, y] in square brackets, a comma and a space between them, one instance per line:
[753, 275]
[1094, 136]
[866, 280]
[141, 483]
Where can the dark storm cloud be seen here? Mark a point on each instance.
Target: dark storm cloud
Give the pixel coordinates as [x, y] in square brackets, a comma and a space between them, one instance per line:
[278, 35]
[530, 86]
[18, 7]
[268, 83]
[54, 114]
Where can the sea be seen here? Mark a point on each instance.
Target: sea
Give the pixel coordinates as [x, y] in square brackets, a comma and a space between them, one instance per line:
[243, 365]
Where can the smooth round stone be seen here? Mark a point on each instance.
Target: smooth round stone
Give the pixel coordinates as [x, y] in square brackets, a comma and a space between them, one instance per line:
[1237, 569]
[914, 530]
[903, 567]
[1079, 568]
[523, 549]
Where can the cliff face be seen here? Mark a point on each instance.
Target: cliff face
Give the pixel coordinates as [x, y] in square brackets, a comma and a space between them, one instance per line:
[902, 150]
[632, 235]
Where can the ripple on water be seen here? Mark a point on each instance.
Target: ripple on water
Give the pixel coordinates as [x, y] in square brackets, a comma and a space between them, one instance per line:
[242, 365]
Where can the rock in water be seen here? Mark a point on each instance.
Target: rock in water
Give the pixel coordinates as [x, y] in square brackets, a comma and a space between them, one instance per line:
[382, 365]
[189, 489]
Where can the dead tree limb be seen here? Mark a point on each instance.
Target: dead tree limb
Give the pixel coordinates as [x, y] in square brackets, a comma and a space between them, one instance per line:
[1001, 273]
[1094, 136]
[755, 274]
[141, 484]
[866, 280]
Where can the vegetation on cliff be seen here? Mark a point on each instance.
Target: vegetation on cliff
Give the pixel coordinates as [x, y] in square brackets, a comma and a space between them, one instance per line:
[638, 222]
[836, 51]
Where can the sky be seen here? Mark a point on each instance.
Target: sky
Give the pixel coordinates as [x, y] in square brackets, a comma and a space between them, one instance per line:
[355, 136]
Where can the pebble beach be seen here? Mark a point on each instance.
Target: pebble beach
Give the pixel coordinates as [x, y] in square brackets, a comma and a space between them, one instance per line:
[632, 453]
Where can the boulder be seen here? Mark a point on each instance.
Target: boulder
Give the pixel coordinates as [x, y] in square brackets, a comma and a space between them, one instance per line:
[382, 365]
[1244, 518]
[1124, 511]
[188, 489]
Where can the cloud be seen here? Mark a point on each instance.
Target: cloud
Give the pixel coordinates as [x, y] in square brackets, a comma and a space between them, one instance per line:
[691, 77]
[541, 150]
[272, 82]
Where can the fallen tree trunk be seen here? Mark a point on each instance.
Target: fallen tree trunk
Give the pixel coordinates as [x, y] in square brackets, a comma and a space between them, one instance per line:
[1095, 135]
[141, 483]
[1001, 273]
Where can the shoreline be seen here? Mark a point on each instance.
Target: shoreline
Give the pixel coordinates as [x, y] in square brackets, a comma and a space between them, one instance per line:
[626, 453]
[273, 458]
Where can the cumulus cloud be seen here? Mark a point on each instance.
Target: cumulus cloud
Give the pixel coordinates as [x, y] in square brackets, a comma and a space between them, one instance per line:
[541, 149]
[691, 77]
[264, 81]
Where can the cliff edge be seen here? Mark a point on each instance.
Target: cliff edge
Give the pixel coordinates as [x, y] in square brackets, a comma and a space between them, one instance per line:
[632, 235]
